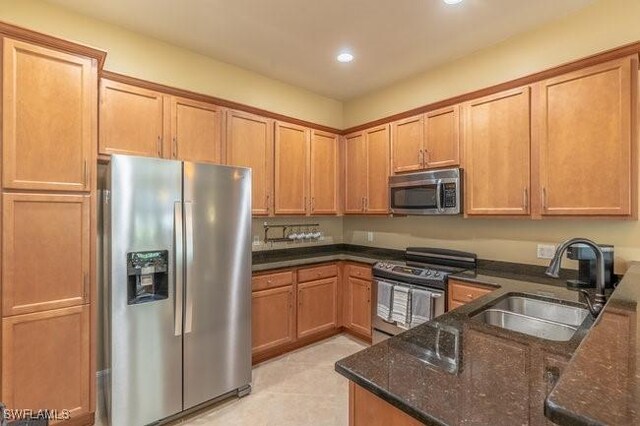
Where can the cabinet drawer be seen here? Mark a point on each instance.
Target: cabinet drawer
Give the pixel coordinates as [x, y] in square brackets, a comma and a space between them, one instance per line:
[464, 293]
[317, 273]
[359, 271]
[278, 279]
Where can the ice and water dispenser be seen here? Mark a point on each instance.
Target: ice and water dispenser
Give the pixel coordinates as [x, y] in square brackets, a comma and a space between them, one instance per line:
[148, 276]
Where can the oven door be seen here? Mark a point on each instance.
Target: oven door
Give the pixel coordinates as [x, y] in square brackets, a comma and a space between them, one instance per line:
[383, 329]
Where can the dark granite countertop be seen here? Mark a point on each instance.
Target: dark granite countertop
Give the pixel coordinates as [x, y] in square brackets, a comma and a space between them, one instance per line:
[264, 260]
[458, 370]
[601, 385]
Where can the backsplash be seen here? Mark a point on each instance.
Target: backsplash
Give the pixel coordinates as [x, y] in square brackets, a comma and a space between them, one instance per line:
[330, 229]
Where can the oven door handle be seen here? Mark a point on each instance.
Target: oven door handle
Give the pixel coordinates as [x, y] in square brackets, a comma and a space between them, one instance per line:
[439, 195]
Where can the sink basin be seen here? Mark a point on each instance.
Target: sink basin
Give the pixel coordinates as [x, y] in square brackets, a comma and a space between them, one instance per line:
[539, 318]
[564, 314]
[528, 325]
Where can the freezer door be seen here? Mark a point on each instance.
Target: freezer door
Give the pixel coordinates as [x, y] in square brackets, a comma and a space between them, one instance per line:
[217, 325]
[144, 203]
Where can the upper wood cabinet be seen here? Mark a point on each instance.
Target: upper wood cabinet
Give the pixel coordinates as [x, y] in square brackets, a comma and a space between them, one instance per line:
[586, 122]
[408, 144]
[427, 141]
[306, 171]
[249, 143]
[45, 252]
[378, 153]
[355, 173]
[132, 120]
[324, 182]
[291, 169]
[49, 118]
[497, 141]
[367, 171]
[442, 138]
[46, 359]
[196, 131]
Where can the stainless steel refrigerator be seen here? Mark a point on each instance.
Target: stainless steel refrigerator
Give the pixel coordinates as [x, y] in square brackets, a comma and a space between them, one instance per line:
[177, 248]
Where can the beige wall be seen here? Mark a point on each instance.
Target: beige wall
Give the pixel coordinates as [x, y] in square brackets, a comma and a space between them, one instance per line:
[510, 240]
[143, 57]
[330, 226]
[601, 26]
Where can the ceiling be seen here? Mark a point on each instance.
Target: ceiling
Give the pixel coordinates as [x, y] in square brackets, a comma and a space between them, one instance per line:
[296, 41]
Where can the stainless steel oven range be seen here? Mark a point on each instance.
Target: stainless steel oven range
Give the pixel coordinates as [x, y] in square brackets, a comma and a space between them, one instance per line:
[406, 294]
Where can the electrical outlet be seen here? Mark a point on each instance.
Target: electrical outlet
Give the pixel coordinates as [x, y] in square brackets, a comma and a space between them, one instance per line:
[370, 236]
[546, 251]
[256, 240]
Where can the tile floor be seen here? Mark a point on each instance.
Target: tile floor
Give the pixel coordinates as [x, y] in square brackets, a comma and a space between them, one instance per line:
[299, 388]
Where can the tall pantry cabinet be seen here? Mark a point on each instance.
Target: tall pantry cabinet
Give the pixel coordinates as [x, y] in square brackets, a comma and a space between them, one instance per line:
[49, 144]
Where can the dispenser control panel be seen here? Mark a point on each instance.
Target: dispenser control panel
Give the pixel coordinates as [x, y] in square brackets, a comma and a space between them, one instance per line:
[148, 276]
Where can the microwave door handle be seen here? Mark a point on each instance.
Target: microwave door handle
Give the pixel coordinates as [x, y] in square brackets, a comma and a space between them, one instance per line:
[439, 195]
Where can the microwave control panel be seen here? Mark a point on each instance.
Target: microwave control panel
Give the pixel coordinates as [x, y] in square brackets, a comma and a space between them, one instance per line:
[449, 192]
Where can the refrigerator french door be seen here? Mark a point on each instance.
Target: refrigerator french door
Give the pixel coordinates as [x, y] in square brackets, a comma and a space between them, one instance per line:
[178, 265]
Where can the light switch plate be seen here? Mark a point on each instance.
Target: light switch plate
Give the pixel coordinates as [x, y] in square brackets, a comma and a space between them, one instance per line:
[546, 251]
[370, 236]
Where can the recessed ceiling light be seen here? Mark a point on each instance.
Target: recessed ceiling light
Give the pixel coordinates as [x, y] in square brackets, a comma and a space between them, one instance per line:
[452, 1]
[344, 57]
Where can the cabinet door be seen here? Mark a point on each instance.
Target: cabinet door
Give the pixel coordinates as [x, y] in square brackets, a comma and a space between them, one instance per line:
[495, 390]
[317, 306]
[359, 305]
[497, 144]
[442, 138]
[49, 118]
[377, 201]
[585, 143]
[324, 179]
[291, 153]
[366, 409]
[131, 120]
[273, 318]
[45, 252]
[250, 144]
[195, 131]
[408, 144]
[355, 173]
[46, 360]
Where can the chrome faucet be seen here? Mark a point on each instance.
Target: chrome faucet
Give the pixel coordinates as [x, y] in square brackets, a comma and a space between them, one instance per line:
[553, 270]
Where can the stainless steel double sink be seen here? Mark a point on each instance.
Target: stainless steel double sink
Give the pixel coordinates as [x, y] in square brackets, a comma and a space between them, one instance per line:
[545, 319]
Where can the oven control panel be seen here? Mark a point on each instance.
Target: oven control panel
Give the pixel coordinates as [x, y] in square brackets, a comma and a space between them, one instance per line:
[410, 274]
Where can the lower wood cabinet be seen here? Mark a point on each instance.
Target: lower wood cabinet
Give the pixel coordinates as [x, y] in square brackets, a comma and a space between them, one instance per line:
[295, 306]
[357, 299]
[317, 306]
[273, 318]
[460, 293]
[45, 360]
[366, 409]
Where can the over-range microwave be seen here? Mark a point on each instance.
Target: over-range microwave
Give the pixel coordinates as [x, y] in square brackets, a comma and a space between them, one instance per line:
[437, 192]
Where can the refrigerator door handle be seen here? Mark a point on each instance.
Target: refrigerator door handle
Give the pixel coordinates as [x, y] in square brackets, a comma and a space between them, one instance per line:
[179, 269]
[188, 221]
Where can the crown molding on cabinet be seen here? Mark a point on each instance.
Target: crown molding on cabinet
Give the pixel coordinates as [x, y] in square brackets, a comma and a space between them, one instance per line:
[121, 78]
[24, 34]
[598, 58]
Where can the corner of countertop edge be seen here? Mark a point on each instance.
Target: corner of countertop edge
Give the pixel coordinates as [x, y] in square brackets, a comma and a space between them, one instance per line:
[556, 412]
